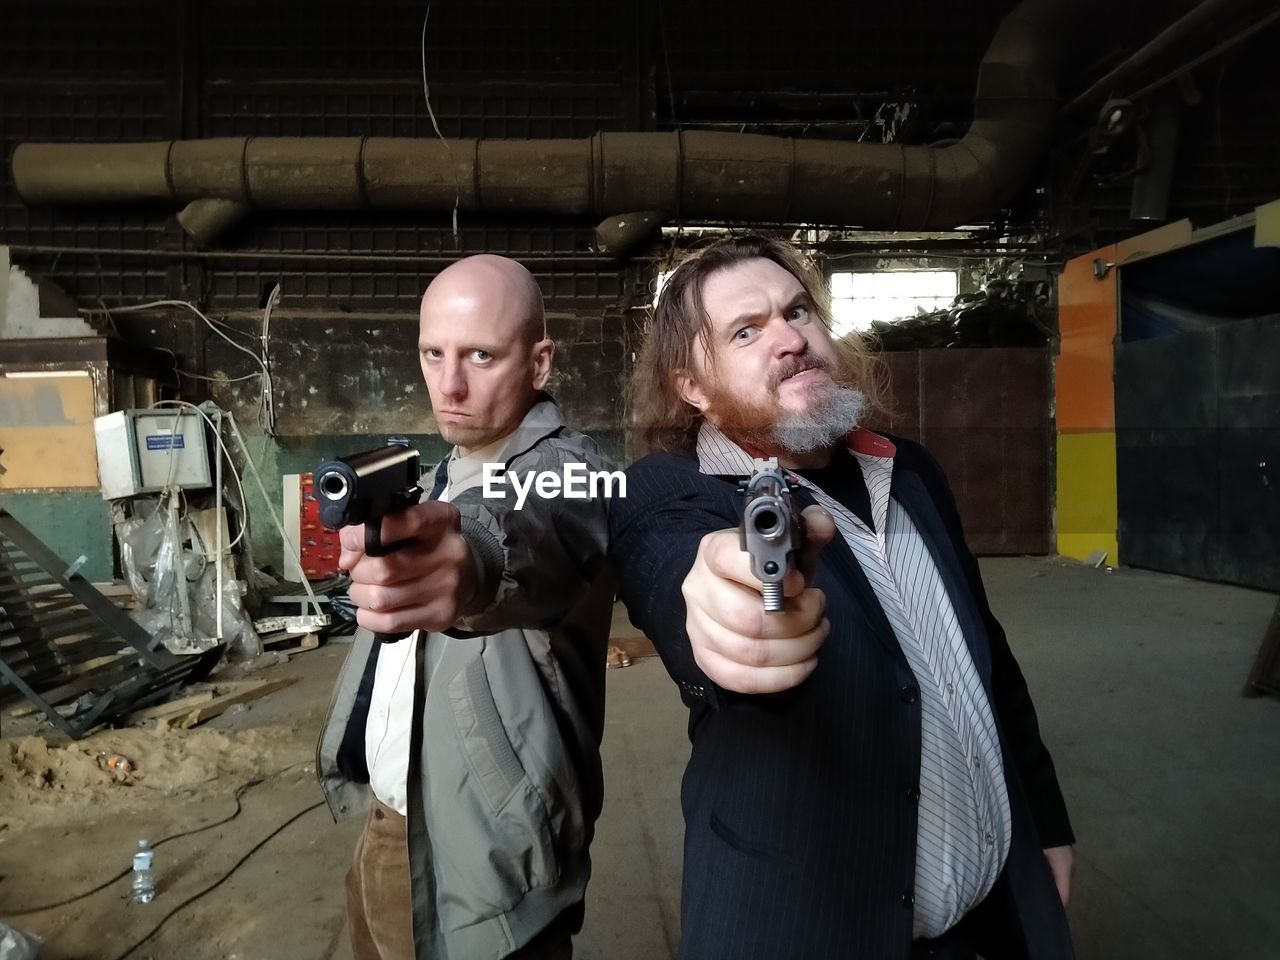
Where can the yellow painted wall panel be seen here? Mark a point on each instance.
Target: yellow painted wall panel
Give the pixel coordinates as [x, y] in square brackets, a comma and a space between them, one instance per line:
[46, 433]
[1266, 228]
[1086, 500]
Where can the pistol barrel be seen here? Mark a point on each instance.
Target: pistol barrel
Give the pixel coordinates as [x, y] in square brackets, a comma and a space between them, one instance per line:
[770, 532]
[365, 486]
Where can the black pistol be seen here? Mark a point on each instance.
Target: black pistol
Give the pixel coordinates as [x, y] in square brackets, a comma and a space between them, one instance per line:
[771, 532]
[364, 488]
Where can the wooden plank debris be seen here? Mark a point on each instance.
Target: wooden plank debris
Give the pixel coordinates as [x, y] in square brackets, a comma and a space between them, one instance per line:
[292, 642]
[181, 705]
[213, 701]
[249, 691]
[302, 624]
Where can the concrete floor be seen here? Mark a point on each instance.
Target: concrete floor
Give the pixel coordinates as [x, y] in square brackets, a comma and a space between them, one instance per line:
[1172, 780]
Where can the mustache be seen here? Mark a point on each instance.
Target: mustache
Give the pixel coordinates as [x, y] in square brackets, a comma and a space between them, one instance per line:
[793, 365]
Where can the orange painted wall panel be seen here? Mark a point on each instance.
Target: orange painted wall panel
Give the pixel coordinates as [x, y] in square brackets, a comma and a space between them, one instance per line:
[1083, 388]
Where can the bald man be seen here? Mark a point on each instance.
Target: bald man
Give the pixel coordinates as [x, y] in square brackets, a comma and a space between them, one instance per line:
[474, 741]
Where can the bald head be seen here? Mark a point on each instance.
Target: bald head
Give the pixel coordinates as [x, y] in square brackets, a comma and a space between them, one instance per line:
[497, 287]
[484, 350]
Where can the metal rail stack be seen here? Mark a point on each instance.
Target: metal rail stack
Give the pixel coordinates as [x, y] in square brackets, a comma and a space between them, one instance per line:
[69, 650]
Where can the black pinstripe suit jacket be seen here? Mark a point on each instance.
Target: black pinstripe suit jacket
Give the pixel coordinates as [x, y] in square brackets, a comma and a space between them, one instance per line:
[800, 808]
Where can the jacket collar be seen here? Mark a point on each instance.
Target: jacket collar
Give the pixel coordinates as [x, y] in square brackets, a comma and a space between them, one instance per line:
[543, 420]
[722, 457]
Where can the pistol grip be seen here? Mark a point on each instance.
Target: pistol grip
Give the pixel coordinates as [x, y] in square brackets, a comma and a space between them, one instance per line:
[373, 538]
[374, 547]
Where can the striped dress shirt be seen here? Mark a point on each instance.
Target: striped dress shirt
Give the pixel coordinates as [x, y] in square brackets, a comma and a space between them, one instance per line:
[963, 829]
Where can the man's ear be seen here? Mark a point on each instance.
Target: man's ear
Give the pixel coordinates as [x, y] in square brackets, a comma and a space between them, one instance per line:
[543, 353]
[690, 390]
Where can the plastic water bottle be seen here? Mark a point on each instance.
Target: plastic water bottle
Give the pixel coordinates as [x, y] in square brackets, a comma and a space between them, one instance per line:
[144, 881]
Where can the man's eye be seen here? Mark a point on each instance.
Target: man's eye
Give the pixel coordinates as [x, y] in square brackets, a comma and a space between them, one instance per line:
[482, 356]
[431, 353]
[743, 333]
[798, 313]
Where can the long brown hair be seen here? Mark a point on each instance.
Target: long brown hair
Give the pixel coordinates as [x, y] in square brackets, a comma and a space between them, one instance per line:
[663, 419]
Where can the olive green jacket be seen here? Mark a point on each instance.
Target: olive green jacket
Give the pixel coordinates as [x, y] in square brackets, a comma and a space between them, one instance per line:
[505, 782]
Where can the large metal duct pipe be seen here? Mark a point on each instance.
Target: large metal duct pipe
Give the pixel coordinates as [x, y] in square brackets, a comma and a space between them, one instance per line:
[689, 175]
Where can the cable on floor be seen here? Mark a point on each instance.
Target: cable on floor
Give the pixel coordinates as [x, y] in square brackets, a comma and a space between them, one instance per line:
[221, 880]
[240, 791]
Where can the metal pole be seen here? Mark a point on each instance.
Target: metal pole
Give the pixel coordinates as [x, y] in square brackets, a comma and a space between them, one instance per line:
[180, 575]
[217, 506]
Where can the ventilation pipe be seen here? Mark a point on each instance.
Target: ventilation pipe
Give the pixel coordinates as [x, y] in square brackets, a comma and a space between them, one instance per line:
[630, 180]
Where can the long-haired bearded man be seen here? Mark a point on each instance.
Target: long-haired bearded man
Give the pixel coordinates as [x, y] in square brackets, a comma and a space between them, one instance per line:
[867, 777]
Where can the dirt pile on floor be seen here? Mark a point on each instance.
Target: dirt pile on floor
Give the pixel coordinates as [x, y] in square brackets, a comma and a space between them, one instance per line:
[42, 781]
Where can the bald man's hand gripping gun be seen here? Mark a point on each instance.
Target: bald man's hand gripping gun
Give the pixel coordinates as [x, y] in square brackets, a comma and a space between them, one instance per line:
[364, 488]
[772, 530]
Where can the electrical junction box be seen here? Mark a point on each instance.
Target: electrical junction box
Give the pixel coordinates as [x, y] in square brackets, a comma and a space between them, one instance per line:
[146, 451]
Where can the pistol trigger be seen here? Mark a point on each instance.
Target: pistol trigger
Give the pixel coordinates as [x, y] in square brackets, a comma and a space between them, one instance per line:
[373, 537]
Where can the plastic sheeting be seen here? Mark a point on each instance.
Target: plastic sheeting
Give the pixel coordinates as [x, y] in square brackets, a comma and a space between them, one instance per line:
[16, 945]
[176, 583]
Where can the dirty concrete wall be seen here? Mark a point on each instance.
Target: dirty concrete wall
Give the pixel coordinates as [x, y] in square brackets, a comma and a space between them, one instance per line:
[343, 382]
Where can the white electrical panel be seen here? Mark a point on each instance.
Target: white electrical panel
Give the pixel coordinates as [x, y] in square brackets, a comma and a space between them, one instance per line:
[146, 451]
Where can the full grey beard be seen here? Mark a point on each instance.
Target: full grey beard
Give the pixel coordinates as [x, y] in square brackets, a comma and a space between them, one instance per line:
[834, 416]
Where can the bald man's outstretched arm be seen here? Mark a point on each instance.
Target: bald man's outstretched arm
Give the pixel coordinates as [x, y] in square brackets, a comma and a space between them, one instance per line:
[535, 563]
[479, 565]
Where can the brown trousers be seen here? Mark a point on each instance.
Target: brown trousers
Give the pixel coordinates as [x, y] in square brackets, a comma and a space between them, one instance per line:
[379, 901]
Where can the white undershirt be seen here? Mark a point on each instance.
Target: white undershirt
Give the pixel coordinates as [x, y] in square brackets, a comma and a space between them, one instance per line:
[389, 729]
[386, 744]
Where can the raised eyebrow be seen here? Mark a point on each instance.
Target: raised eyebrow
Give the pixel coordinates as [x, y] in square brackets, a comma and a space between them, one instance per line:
[743, 318]
[801, 299]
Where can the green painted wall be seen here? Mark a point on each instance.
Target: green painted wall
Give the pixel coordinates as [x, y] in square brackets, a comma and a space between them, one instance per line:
[72, 523]
[286, 455]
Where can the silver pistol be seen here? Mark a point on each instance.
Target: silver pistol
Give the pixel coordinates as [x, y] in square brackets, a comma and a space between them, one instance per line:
[771, 532]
